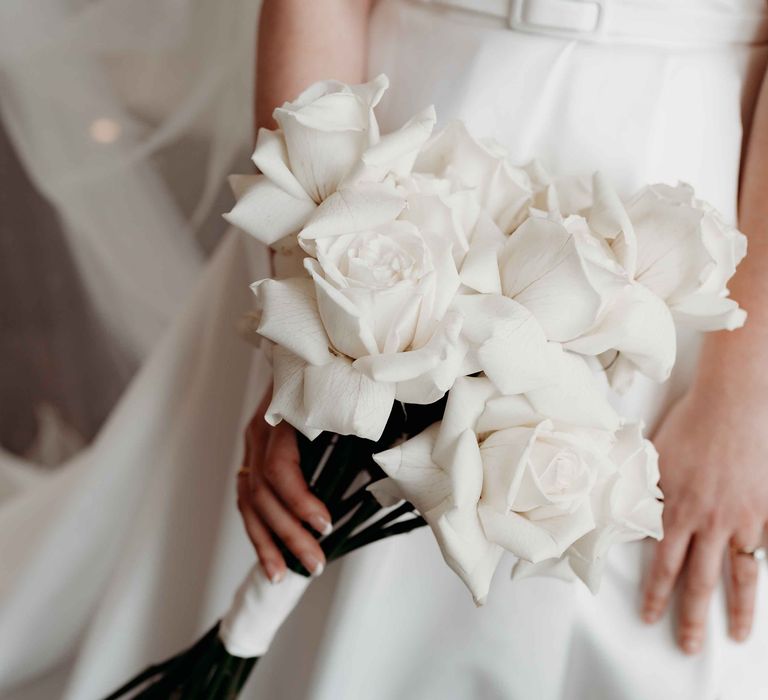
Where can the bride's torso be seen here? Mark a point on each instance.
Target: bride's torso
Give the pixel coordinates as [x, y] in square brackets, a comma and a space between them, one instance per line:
[647, 90]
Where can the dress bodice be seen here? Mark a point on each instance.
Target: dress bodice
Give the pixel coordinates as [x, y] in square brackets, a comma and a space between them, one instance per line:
[685, 23]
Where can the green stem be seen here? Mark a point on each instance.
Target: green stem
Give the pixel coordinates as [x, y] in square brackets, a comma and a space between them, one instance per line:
[393, 515]
[346, 505]
[334, 469]
[243, 672]
[331, 544]
[167, 667]
[219, 682]
[366, 537]
[311, 452]
[192, 681]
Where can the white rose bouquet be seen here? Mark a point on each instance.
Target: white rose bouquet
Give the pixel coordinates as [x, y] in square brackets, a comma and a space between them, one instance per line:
[445, 329]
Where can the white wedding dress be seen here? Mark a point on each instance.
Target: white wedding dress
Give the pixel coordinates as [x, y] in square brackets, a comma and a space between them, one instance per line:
[134, 548]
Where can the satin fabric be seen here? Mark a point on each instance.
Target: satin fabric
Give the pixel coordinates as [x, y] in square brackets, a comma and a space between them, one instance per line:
[135, 548]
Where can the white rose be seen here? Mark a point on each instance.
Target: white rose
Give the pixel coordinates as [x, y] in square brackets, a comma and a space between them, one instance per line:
[505, 342]
[446, 494]
[373, 324]
[626, 505]
[326, 130]
[685, 253]
[538, 481]
[437, 204]
[557, 271]
[569, 278]
[502, 189]
[495, 473]
[392, 283]
[563, 195]
[328, 139]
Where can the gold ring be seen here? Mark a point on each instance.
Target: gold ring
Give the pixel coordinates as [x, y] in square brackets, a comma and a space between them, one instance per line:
[757, 553]
[244, 470]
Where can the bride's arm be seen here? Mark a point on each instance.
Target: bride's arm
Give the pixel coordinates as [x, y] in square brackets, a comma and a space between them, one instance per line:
[300, 42]
[713, 444]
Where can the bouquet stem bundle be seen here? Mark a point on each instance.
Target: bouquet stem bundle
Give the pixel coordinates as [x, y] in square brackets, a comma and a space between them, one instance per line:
[339, 470]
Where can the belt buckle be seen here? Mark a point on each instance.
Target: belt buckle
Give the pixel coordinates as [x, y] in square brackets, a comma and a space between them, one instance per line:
[577, 19]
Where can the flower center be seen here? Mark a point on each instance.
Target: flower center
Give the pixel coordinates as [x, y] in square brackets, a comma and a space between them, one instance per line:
[382, 259]
[561, 474]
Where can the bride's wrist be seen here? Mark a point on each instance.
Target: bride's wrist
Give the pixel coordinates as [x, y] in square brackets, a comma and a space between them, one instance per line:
[723, 387]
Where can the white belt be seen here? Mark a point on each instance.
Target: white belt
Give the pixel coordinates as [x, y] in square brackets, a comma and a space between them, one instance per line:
[623, 21]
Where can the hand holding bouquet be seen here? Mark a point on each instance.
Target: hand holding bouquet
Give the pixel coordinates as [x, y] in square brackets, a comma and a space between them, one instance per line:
[445, 329]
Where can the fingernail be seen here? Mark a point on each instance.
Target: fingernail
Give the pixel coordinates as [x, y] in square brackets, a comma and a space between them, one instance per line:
[740, 633]
[320, 524]
[650, 616]
[274, 574]
[312, 564]
[691, 645]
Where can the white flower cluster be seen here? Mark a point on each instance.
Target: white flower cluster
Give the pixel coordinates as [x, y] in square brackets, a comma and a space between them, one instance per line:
[428, 263]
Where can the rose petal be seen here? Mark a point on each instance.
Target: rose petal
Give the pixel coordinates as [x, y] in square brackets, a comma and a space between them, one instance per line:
[353, 209]
[670, 253]
[467, 551]
[505, 457]
[573, 396]
[343, 323]
[396, 152]
[288, 392]
[418, 479]
[535, 541]
[508, 343]
[448, 503]
[290, 317]
[341, 399]
[480, 266]
[609, 219]
[637, 324]
[265, 211]
[271, 158]
[502, 189]
[425, 374]
[551, 568]
[326, 131]
[502, 411]
[542, 269]
[709, 313]
[465, 405]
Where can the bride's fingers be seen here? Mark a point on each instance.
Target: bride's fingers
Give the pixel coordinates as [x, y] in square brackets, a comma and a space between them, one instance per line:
[703, 571]
[269, 555]
[282, 471]
[286, 526]
[742, 585]
[669, 555]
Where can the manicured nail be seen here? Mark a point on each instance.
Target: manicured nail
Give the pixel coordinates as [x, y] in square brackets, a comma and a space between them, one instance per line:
[312, 564]
[691, 645]
[274, 575]
[650, 615]
[740, 633]
[320, 524]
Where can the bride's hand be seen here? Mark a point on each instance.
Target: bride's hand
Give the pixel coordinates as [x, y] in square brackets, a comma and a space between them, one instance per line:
[274, 499]
[713, 473]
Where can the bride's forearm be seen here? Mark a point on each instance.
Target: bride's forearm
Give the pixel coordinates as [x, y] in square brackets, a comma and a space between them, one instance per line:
[302, 41]
[736, 363]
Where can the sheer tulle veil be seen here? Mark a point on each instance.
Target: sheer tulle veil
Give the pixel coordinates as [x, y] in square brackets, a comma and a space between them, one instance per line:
[126, 116]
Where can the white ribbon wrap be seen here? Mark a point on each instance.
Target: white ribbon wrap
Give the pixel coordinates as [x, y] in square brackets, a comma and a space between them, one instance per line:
[258, 610]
